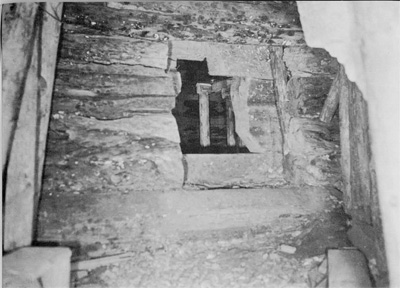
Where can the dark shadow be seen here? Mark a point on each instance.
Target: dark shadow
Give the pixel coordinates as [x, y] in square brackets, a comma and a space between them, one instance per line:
[186, 112]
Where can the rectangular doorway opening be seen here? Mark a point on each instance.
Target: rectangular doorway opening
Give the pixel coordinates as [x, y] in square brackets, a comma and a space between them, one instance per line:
[192, 117]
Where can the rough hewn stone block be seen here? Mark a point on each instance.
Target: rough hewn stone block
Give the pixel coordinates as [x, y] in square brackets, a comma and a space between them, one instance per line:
[227, 170]
[108, 50]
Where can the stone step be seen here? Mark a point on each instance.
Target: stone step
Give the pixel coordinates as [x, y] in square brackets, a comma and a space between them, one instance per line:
[118, 222]
[219, 209]
[229, 170]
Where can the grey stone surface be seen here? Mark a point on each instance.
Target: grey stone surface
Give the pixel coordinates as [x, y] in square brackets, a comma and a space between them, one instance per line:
[228, 170]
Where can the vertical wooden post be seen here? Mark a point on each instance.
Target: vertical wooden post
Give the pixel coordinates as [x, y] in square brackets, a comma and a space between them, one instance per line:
[49, 45]
[17, 19]
[20, 185]
[204, 109]
[26, 155]
[344, 123]
[279, 74]
[230, 123]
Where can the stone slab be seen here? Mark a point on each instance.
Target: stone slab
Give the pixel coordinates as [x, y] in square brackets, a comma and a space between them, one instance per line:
[113, 155]
[108, 50]
[74, 83]
[144, 125]
[111, 109]
[115, 222]
[186, 211]
[37, 267]
[225, 59]
[348, 269]
[228, 170]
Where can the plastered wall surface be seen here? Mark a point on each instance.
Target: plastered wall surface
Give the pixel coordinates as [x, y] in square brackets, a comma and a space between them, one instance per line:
[365, 38]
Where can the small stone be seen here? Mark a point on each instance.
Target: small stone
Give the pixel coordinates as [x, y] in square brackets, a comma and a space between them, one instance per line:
[318, 258]
[115, 179]
[211, 256]
[296, 233]
[236, 241]
[287, 249]
[308, 261]
[81, 274]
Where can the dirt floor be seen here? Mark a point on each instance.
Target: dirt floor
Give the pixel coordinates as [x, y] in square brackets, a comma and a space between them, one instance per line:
[287, 252]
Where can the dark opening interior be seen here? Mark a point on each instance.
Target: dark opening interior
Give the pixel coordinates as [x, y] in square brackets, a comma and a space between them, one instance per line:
[187, 114]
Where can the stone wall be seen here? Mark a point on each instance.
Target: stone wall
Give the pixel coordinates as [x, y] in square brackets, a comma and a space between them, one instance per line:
[352, 32]
[314, 146]
[112, 136]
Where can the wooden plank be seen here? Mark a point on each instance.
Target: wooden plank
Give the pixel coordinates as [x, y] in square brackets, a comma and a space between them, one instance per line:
[344, 122]
[347, 269]
[16, 61]
[108, 50]
[279, 73]
[21, 171]
[230, 120]
[204, 110]
[227, 60]
[360, 180]
[239, 93]
[49, 45]
[256, 118]
[332, 101]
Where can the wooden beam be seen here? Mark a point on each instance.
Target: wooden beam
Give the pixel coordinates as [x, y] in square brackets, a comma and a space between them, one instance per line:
[332, 101]
[25, 167]
[204, 110]
[50, 35]
[279, 74]
[21, 178]
[17, 19]
[230, 123]
[344, 123]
